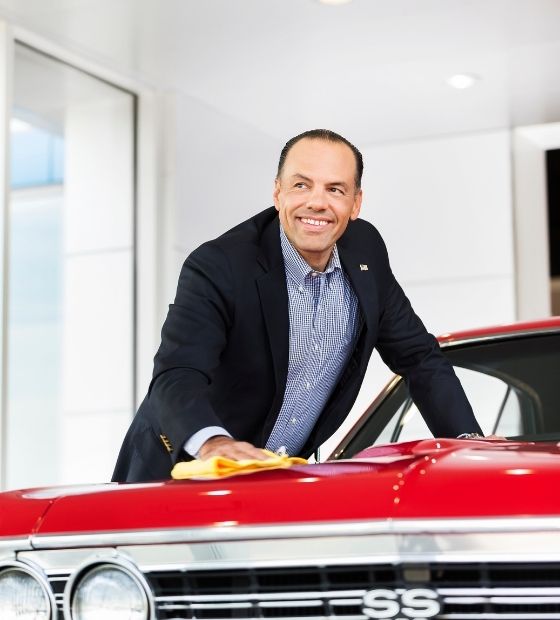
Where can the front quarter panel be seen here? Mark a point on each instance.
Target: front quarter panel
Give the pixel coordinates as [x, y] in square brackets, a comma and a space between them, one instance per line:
[21, 514]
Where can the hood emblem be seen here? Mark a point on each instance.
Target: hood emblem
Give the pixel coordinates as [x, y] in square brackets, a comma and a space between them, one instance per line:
[412, 604]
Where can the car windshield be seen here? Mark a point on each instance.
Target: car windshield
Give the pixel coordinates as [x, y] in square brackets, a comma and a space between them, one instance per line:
[512, 384]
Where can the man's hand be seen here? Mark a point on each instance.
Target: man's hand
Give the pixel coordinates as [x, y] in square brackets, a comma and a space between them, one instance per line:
[231, 449]
[478, 437]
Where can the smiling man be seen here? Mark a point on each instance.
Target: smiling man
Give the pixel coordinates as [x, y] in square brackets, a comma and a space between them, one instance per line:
[316, 193]
[273, 325]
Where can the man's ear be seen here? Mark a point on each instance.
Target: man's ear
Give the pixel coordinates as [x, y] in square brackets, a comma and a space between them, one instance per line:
[275, 193]
[357, 205]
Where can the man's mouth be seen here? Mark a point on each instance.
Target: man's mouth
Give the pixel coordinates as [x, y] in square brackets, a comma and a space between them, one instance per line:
[313, 222]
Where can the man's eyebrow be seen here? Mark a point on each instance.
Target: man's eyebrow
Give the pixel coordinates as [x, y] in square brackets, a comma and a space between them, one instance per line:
[298, 175]
[339, 183]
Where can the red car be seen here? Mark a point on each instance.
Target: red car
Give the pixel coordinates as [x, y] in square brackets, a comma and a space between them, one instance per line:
[422, 528]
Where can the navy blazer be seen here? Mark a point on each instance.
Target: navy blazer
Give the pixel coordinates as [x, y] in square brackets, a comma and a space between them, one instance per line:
[223, 358]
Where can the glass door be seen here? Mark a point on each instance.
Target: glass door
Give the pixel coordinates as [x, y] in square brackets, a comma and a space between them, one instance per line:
[70, 320]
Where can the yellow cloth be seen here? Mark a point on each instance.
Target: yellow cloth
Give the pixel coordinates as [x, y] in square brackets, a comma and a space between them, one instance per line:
[220, 466]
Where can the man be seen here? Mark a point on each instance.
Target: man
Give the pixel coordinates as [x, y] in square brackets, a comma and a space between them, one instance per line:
[273, 325]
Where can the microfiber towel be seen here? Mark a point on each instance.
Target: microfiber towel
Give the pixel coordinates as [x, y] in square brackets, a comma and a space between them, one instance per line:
[220, 466]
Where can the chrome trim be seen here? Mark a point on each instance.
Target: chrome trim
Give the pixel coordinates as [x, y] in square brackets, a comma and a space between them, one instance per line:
[319, 599]
[253, 559]
[265, 597]
[321, 617]
[286, 604]
[333, 598]
[297, 530]
[219, 606]
[113, 560]
[38, 574]
[502, 600]
[14, 544]
[464, 596]
[474, 550]
[494, 616]
[510, 591]
[529, 547]
[419, 541]
[57, 564]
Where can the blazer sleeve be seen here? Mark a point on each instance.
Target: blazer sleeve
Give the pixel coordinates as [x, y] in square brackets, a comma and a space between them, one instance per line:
[409, 350]
[194, 336]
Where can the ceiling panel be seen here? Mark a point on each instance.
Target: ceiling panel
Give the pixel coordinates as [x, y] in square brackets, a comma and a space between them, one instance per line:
[374, 69]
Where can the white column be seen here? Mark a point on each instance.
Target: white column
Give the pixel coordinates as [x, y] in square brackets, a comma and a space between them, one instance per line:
[97, 389]
[149, 270]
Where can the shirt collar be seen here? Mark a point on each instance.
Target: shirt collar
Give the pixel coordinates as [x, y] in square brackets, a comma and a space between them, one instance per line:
[295, 265]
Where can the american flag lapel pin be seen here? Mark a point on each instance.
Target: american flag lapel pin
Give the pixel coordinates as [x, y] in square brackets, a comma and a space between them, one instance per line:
[363, 267]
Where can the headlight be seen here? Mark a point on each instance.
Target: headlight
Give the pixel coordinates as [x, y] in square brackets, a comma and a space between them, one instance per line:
[22, 594]
[109, 592]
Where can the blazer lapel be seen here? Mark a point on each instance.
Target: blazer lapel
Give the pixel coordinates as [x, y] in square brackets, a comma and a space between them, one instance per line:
[273, 295]
[362, 279]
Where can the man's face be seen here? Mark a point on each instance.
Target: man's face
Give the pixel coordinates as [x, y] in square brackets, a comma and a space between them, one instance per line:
[316, 197]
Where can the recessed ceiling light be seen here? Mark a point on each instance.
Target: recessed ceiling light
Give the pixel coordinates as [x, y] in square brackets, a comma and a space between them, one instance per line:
[334, 2]
[462, 80]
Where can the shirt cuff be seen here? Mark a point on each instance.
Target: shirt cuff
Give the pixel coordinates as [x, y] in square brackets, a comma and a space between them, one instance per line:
[192, 446]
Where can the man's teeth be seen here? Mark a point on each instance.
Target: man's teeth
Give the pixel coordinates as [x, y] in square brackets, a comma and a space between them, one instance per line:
[308, 220]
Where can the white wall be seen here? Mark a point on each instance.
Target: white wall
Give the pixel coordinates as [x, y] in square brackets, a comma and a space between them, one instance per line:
[444, 209]
[443, 206]
[218, 171]
[98, 289]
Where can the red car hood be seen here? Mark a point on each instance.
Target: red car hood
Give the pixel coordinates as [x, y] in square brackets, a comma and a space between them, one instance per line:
[421, 479]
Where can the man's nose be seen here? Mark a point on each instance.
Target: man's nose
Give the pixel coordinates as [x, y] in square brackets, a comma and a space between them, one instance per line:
[318, 199]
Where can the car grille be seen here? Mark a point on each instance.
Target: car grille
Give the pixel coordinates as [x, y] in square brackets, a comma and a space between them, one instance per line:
[477, 591]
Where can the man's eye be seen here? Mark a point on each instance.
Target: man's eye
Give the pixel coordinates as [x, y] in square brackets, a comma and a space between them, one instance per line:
[300, 185]
[336, 190]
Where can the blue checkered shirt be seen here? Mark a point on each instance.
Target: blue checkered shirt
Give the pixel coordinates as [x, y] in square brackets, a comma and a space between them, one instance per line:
[324, 317]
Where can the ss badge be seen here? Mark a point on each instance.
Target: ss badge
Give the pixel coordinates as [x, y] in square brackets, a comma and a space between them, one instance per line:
[399, 604]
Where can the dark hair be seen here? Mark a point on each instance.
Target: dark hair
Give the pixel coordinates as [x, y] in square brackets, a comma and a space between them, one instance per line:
[329, 136]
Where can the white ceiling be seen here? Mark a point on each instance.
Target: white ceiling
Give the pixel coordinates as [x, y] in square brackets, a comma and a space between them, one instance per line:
[374, 70]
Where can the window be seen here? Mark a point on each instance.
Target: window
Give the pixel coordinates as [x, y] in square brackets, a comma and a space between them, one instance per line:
[70, 324]
[496, 405]
[511, 384]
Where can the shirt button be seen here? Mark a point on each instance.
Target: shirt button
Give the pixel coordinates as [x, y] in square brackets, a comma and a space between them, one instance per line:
[308, 385]
[282, 451]
[300, 289]
[314, 274]
[316, 347]
[293, 420]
